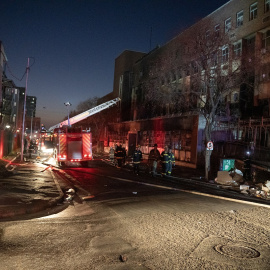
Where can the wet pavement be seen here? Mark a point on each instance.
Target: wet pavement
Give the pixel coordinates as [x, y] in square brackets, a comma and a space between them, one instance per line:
[26, 188]
[29, 187]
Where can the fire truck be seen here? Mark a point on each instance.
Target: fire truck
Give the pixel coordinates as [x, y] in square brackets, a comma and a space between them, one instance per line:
[72, 144]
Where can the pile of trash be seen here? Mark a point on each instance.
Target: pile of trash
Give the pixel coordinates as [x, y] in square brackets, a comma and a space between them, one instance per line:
[234, 180]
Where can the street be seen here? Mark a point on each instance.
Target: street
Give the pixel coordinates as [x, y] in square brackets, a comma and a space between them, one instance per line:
[121, 221]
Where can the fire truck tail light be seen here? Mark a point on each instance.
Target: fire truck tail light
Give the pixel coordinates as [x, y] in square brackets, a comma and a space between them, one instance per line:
[62, 157]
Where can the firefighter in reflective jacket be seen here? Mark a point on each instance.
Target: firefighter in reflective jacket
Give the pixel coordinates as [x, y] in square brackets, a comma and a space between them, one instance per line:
[137, 157]
[164, 157]
[171, 161]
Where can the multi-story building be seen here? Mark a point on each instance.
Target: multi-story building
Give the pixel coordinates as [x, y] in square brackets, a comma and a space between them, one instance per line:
[165, 93]
[11, 116]
[31, 102]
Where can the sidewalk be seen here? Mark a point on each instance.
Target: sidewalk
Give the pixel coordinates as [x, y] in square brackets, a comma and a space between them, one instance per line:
[26, 188]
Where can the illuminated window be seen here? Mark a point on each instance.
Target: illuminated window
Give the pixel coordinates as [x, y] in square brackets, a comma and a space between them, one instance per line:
[240, 18]
[225, 54]
[253, 11]
[267, 5]
[228, 25]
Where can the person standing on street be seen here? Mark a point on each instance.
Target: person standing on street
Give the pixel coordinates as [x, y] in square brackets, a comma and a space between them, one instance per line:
[164, 157]
[171, 161]
[119, 154]
[111, 154]
[154, 157]
[137, 157]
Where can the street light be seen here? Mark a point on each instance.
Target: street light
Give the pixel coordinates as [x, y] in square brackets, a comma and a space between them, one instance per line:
[68, 104]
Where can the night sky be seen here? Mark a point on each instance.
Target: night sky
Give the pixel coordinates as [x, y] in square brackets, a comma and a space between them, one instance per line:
[73, 43]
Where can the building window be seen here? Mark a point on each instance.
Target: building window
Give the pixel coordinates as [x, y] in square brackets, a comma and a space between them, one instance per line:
[173, 76]
[228, 25]
[195, 67]
[240, 18]
[237, 49]
[266, 40]
[267, 5]
[217, 30]
[235, 97]
[253, 11]
[207, 34]
[225, 54]
[214, 59]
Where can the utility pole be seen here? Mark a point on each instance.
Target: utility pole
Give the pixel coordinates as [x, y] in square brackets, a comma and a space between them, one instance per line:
[24, 110]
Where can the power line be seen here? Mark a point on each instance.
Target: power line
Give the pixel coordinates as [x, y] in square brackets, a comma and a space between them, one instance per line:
[27, 69]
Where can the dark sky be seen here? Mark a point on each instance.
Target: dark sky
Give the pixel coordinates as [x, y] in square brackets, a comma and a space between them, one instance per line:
[74, 43]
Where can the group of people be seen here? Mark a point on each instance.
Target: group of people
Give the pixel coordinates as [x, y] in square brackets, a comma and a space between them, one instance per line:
[166, 158]
[119, 154]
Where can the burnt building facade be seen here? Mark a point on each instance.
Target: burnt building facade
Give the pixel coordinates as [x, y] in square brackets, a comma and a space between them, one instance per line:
[165, 93]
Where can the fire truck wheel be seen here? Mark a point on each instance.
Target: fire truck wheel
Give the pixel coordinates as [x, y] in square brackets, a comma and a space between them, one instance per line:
[84, 164]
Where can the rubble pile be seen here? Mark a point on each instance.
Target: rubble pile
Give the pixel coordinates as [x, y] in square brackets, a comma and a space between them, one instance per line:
[234, 180]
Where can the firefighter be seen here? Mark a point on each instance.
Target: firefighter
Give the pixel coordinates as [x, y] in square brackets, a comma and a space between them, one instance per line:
[119, 154]
[164, 157]
[137, 157]
[171, 161]
[154, 157]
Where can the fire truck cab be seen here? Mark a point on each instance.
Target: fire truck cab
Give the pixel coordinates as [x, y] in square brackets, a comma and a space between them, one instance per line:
[72, 144]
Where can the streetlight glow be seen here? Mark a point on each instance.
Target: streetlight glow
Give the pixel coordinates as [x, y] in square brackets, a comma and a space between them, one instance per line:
[68, 104]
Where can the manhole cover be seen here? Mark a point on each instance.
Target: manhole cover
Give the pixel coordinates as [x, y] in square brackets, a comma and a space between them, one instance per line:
[237, 251]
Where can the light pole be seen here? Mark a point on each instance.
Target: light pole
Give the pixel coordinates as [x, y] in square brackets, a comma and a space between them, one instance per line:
[32, 115]
[68, 104]
[24, 110]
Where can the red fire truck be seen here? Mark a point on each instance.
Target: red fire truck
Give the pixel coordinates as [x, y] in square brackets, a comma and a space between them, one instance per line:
[72, 144]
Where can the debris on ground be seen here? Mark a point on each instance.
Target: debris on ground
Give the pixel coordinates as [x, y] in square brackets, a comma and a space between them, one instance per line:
[69, 196]
[234, 180]
[88, 197]
[123, 258]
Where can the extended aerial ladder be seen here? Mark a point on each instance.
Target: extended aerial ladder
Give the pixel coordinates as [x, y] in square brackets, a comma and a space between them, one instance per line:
[74, 144]
[86, 114]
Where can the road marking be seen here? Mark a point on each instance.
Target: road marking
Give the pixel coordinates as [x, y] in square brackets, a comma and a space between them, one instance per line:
[177, 189]
[192, 192]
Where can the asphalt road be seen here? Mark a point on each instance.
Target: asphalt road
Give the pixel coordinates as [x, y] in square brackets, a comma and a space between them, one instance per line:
[121, 221]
